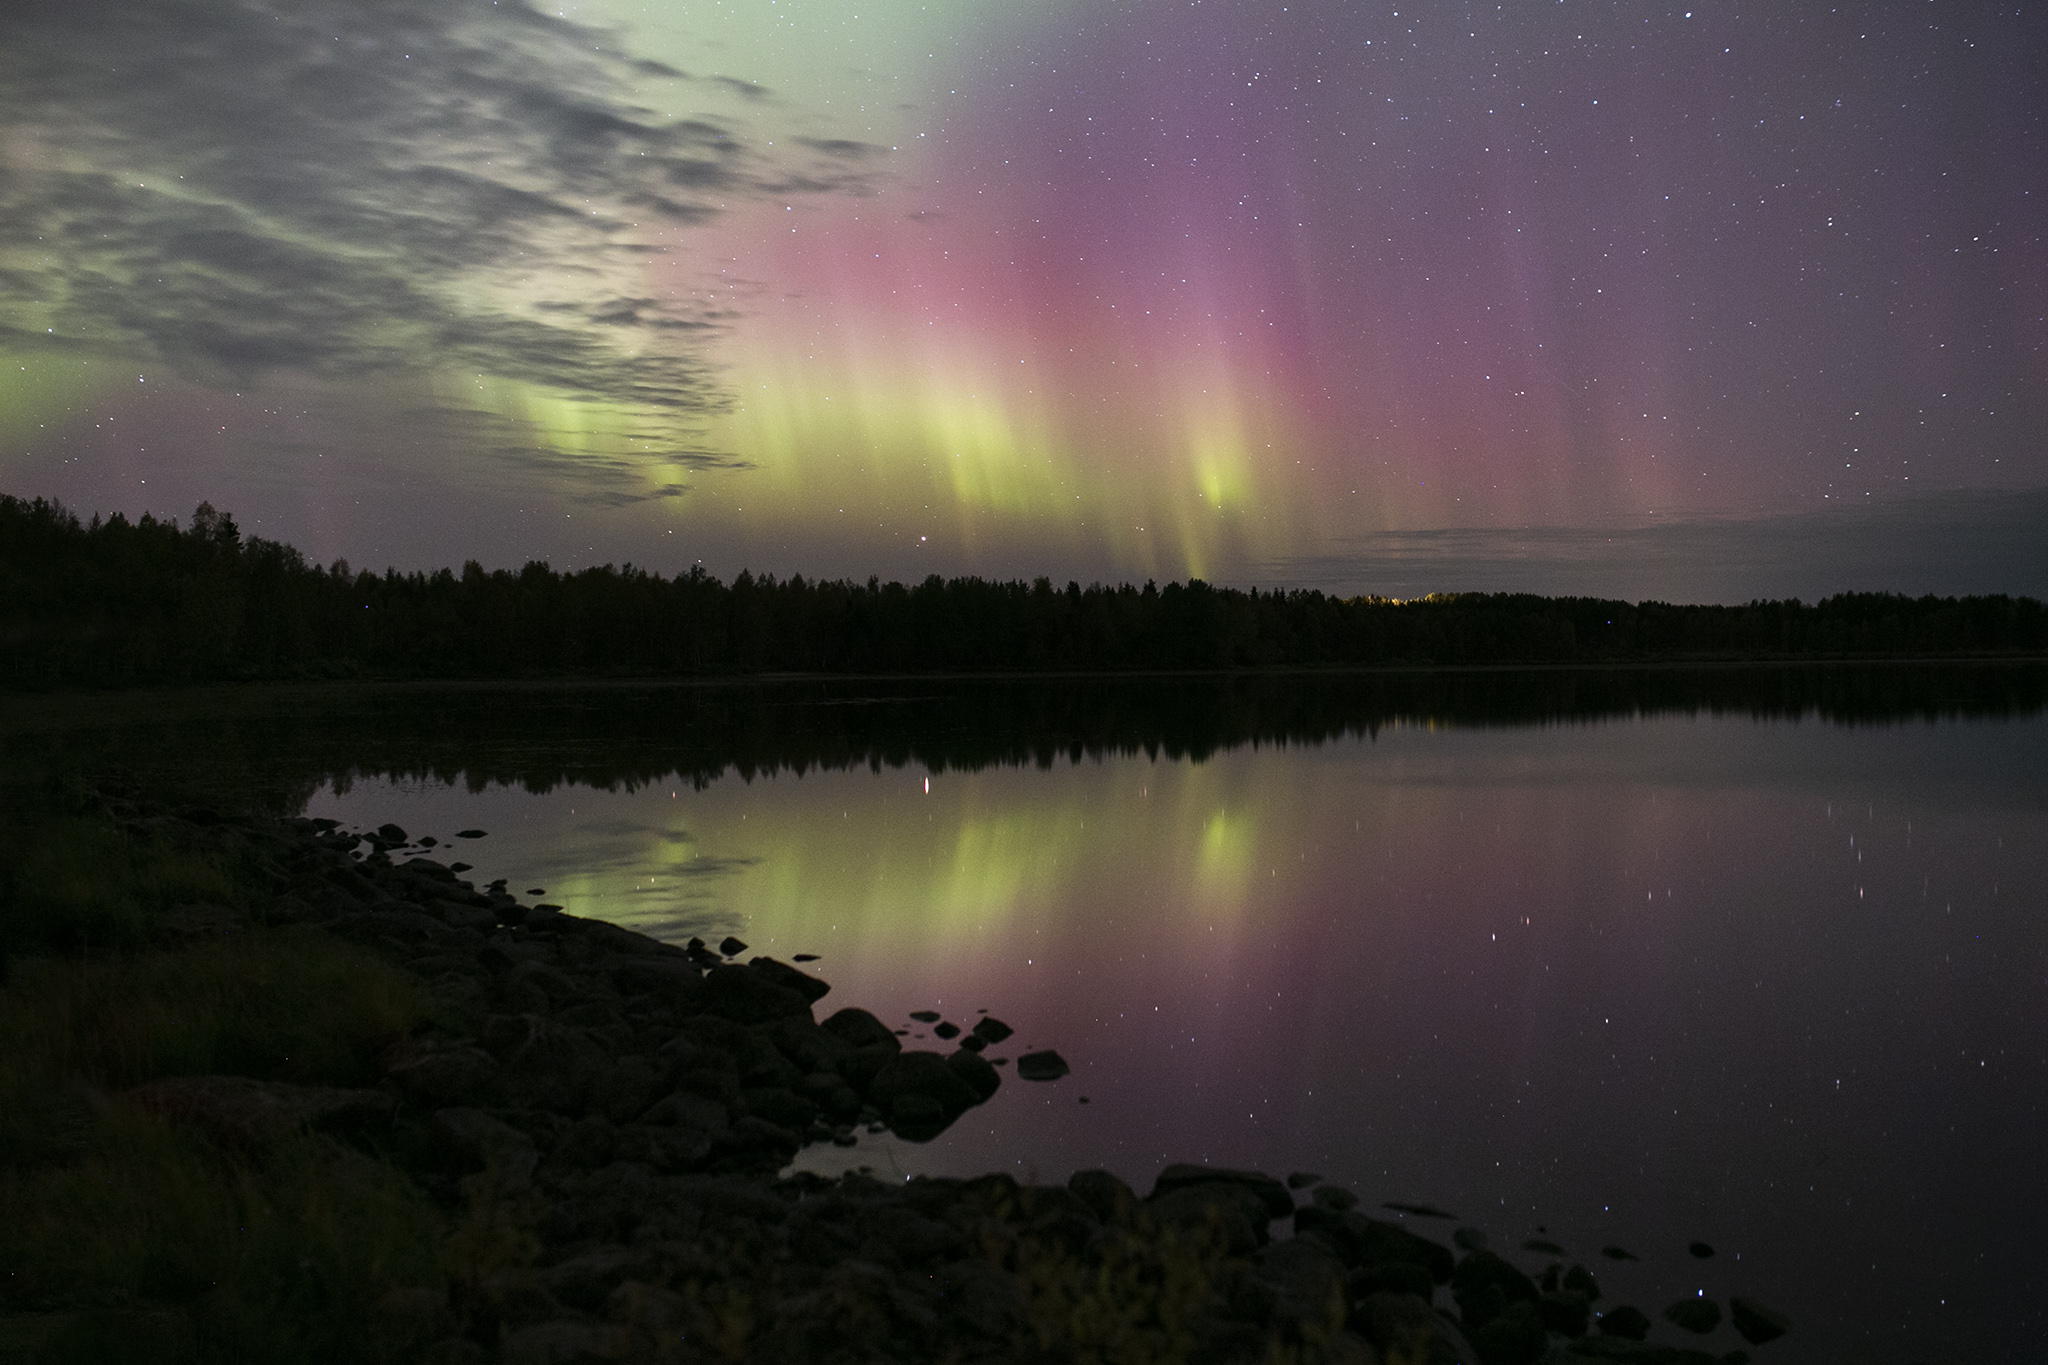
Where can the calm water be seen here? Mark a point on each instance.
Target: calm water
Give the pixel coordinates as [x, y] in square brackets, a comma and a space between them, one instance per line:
[1768, 972]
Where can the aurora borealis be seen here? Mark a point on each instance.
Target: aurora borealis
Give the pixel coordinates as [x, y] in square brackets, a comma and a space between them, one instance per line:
[1701, 303]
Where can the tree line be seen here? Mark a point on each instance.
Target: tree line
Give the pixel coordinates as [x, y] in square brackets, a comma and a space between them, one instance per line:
[113, 602]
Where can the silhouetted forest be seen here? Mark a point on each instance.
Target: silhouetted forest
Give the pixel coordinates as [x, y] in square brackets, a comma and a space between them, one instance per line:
[118, 603]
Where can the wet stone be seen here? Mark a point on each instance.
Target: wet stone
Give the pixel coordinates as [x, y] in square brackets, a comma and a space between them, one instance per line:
[1626, 1321]
[446, 1076]
[1392, 1277]
[1697, 1315]
[1109, 1198]
[1566, 1312]
[748, 997]
[1755, 1323]
[977, 1074]
[1274, 1200]
[789, 978]
[1487, 1286]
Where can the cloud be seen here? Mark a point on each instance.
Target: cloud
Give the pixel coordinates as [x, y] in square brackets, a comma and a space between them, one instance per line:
[744, 89]
[1954, 543]
[845, 149]
[355, 187]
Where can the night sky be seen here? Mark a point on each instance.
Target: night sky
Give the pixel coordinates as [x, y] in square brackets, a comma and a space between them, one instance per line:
[1632, 299]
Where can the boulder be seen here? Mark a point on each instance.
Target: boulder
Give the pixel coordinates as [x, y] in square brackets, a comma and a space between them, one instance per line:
[975, 1072]
[982, 1297]
[476, 1140]
[443, 1076]
[1404, 1327]
[862, 1065]
[1625, 1321]
[1487, 1286]
[1390, 1277]
[688, 1111]
[857, 1028]
[922, 1076]
[746, 996]
[789, 978]
[1272, 1195]
[1234, 1213]
[784, 1108]
[393, 920]
[554, 1343]
[1042, 1066]
[1623, 1351]
[554, 984]
[554, 1066]
[1566, 1312]
[809, 1047]
[1698, 1315]
[755, 1144]
[586, 1282]
[1366, 1242]
[1755, 1323]
[1106, 1196]
[1305, 1279]
[586, 1145]
[1334, 1197]
[917, 1118]
[1513, 1337]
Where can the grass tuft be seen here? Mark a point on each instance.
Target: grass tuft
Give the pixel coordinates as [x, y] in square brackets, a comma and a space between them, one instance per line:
[76, 883]
[163, 1247]
[285, 1004]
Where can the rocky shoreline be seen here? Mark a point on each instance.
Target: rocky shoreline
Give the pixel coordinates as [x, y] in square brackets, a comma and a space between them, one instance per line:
[623, 1107]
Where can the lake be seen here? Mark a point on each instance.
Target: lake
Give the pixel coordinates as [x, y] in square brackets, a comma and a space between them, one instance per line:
[1635, 958]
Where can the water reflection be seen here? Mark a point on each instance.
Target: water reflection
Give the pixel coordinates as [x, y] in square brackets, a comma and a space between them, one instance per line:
[275, 745]
[1760, 963]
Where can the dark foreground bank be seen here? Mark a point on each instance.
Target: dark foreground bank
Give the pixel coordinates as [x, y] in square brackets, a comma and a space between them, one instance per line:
[495, 1132]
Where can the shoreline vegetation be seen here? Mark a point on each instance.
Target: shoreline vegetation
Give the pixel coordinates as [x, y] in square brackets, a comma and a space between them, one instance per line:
[281, 1090]
[111, 603]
